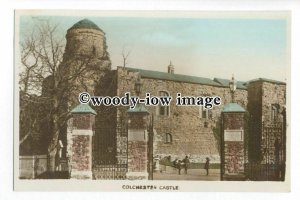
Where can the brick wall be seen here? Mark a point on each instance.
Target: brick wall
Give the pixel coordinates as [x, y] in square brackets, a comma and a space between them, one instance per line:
[81, 152]
[85, 121]
[137, 156]
[234, 157]
[233, 121]
[262, 95]
[234, 153]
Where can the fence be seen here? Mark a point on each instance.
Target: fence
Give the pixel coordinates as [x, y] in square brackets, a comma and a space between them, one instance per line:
[264, 172]
[110, 172]
[31, 167]
[269, 164]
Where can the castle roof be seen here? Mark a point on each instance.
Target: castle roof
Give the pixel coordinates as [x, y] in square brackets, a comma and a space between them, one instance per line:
[225, 83]
[186, 78]
[267, 80]
[173, 77]
[86, 23]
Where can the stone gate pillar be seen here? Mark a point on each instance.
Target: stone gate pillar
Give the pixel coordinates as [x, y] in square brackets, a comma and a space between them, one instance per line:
[137, 143]
[233, 148]
[80, 133]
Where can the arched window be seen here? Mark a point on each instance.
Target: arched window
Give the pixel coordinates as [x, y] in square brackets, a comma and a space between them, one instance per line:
[163, 110]
[168, 138]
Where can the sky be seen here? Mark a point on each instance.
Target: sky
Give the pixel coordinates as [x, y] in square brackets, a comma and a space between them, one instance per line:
[205, 47]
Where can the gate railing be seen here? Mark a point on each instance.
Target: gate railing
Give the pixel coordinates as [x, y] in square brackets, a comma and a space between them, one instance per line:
[110, 172]
[264, 172]
[269, 163]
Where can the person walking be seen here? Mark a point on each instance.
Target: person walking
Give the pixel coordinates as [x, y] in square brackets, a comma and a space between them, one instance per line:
[186, 162]
[177, 165]
[206, 166]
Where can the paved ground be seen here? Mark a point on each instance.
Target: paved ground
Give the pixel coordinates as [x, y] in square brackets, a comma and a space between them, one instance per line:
[193, 174]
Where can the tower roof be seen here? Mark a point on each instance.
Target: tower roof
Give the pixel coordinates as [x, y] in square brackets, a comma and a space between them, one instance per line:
[85, 23]
[83, 108]
[139, 108]
[233, 107]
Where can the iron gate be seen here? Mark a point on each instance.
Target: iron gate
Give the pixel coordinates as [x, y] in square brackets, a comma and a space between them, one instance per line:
[268, 151]
[110, 172]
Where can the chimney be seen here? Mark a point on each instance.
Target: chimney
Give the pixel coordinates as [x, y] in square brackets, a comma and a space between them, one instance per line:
[171, 68]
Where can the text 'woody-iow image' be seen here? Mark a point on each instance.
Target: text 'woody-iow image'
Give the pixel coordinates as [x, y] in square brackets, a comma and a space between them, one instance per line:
[152, 100]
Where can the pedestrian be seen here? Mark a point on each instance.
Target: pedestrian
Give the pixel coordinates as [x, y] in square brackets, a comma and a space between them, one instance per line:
[176, 164]
[186, 162]
[206, 166]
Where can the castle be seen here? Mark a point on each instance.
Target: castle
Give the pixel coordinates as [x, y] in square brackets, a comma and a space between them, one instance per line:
[178, 131]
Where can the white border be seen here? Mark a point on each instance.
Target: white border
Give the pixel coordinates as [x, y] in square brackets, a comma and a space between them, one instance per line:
[6, 104]
[185, 186]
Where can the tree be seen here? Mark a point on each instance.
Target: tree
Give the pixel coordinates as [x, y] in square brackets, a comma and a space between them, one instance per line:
[44, 72]
[125, 55]
[41, 49]
[41, 52]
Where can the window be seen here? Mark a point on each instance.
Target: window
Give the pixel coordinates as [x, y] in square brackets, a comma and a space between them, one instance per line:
[168, 138]
[274, 112]
[205, 113]
[94, 51]
[163, 110]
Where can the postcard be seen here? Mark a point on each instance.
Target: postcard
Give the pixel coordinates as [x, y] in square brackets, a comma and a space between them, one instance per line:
[162, 101]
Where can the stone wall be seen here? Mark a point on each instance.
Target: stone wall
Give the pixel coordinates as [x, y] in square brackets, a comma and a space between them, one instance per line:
[87, 65]
[85, 41]
[234, 157]
[191, 134]
[137, 156]
[85, 121]
[79, 136]
[272, 94]
[273, 138]
[233, 121]
[262, 96]
[32, 166]
[234, 154]
[81, 153]
[85, 61]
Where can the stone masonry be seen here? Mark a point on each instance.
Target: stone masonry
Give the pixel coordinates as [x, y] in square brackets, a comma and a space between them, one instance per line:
[234, 154]
[267, 100]
[182, 130]
[192, 135]
[80, 134]
[137, 146]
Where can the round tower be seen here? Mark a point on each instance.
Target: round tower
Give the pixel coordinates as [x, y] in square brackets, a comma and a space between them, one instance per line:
[86, 60]
[85, 38]
[85, 66]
